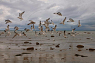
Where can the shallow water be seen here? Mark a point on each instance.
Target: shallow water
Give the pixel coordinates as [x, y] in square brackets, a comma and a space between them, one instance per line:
[14, 50]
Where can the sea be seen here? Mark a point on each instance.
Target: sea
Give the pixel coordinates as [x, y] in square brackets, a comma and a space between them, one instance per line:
[50, 47]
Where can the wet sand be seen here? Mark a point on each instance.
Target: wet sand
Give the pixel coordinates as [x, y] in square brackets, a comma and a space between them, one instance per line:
[47, 49]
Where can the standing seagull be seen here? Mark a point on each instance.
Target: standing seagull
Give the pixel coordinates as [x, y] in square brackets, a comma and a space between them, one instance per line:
[70, 20]
[8, 21]
[20, 15]
[79, 23]
[58, 13]
[39, 25]
[65, 34]
[63, 21]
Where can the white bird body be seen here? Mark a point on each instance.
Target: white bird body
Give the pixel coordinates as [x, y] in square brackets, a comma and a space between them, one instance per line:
[20, 15]
[79, 23]
[63, 21]
[70, 20]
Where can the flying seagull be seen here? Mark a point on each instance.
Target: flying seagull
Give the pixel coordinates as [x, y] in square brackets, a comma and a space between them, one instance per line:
[31, 22]
[16, 28]
[58, 13]
[79, 23]
[73, 30]
[65, 34]
[20, 15]
[70, 20]
[7, 29]
[15, 34]
[27, 29]
[63, 21]
[8, 21]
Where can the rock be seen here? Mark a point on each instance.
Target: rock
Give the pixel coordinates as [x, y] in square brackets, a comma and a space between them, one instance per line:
[52, 36]
[30, 48]
[51, 48]
[26, 42]
[57, 45]
[26, 53]
[37, 43]
[87, 38]
[83, 56]
[80, 46]
[77, 55]
[80, 55]
[79, 50]
[18, 55]
[91, 49]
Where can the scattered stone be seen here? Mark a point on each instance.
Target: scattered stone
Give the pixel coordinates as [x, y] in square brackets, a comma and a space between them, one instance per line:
[69, 33]
[48, 39]
[52, 36]
[62, 58]
[88, 32]
[80, 46]
[18, 55]
[26, 53]
[26, 42]
[87, 38]
[80, 55]
[51, 48]
[77, 55]
[83, 56]
[30, 48]
[91, 49]
[79, 50]
[37, 43]
[57, 45]
[35, 49]
[86, 49]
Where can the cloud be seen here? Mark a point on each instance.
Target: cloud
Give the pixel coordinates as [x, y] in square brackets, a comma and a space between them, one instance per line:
[40, 10]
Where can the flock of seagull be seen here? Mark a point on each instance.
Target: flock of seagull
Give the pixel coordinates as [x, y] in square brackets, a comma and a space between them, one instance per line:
[45, 24]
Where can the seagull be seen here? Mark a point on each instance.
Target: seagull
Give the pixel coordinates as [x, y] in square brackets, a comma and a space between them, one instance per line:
[15, 34]
[65, 34]
[8, 21]
[27, 29]
[24, 34]
[31, 28]
[41, 28]
[31, 22]
[58, 13]
[47, 19]
[7, 29]
[70, 20]
[54, 29]
[39, 25]
[20, 15]
[79, 23]
[63, 21]
[8, 33]
[52, 22]
[1, 33]
[16, 28]
[73, 30]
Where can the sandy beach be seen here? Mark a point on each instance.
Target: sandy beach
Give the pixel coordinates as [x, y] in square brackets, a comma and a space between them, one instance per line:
[48, 48]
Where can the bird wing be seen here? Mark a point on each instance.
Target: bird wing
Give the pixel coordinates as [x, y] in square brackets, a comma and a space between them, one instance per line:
[64, 19]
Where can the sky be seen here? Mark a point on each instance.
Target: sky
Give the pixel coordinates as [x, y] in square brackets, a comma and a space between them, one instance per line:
[40, 10]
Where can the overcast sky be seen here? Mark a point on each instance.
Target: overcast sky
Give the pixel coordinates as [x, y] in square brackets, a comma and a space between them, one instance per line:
[40, 10]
